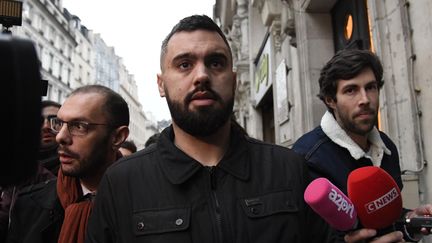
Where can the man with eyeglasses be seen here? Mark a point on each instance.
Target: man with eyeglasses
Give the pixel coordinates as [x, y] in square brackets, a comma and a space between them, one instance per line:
[90, 126]
[48, 156]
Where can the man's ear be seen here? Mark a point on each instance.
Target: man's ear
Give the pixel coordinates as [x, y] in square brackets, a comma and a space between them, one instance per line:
[330, 102]
[161, 85]
[119, 136]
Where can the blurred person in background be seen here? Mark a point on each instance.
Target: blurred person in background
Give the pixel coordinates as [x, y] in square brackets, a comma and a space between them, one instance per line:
[48, 156]
[152, 139]
[47, 169]
[127, 148]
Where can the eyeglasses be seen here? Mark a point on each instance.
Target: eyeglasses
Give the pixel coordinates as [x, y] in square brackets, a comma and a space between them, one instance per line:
[78, 128]
[47, 118]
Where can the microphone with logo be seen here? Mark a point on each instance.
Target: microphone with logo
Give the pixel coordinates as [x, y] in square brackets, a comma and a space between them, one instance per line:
[378, 201]
[331, 204]
[376, 197]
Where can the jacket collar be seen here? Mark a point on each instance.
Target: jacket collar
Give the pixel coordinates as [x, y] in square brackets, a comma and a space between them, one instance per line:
[178, 167]
[333, 130]
[45, 194]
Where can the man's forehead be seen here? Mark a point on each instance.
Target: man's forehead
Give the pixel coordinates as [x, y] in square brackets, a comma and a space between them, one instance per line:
[48, 110]
[187, 39]
[82, 104]
[366, 75]
[50, 107]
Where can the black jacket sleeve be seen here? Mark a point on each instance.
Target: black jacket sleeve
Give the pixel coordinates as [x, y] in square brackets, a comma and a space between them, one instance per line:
[101, 227]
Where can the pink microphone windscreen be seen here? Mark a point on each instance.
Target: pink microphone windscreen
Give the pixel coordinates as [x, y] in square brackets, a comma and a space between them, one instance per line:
[331, 204]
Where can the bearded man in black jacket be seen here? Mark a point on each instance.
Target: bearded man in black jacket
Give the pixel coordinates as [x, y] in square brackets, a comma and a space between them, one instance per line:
[204, 180]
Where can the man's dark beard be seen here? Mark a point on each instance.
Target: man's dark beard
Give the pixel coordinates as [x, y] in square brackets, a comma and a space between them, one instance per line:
[206, 120]
[98, 159]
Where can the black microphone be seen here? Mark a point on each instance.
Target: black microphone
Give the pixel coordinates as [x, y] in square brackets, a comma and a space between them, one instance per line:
[413, 226]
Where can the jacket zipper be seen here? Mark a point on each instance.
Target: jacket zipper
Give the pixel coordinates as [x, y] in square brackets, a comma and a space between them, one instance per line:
[217, 209]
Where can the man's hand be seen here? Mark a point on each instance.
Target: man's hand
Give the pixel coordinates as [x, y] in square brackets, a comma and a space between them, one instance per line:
[362, 235]
[422, 210]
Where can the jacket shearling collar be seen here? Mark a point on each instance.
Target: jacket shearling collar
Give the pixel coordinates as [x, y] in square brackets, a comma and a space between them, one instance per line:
[333, 130]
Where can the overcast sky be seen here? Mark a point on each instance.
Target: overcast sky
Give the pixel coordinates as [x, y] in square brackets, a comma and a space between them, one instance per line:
[136, 28]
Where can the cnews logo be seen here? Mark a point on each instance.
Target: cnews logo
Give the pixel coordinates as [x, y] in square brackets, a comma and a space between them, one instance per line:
[382, 201]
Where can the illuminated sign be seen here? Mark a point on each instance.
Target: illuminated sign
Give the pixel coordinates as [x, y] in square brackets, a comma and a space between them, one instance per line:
[10, 12]
[263, 79]
[261, 76]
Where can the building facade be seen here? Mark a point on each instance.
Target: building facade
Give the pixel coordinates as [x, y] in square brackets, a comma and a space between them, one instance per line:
[128, 89]
[72, 56]
[280, 46]
[45, 24]
[106, 64]
[83, 55]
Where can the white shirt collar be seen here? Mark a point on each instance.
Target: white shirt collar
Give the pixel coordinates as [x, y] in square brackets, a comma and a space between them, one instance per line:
[333, 130]
[86, 191]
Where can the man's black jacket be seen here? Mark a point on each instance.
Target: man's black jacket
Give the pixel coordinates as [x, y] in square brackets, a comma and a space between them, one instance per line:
[254, 194]
[37, 216]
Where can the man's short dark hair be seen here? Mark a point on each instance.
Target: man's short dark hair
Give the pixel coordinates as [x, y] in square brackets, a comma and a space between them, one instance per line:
[46, 103]
[347, 64]
[116, 108]
[152, 139]
[129, 145]
[192, 23]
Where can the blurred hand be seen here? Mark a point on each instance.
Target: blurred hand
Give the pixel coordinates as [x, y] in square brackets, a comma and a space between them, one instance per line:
[421, 211]
[362, 235]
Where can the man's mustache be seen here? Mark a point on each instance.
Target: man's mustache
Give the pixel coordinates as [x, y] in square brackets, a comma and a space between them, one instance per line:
[202, 88]
[67, 152]
[365, 112]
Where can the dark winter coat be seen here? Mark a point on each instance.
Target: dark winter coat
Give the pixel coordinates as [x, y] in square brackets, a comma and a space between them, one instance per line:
[254, 194]
[9, 195]
[327, 159]
[37, 216]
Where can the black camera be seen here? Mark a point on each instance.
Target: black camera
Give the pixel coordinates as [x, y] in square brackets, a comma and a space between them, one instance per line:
[414, 225]
[21, 98]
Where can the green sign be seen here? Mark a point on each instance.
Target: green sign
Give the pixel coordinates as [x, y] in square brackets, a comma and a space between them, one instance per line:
[261, 75]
